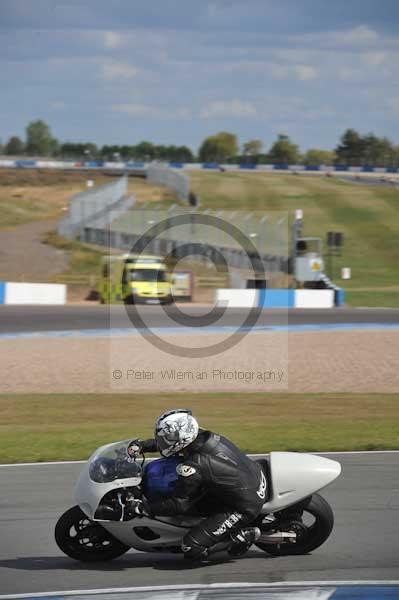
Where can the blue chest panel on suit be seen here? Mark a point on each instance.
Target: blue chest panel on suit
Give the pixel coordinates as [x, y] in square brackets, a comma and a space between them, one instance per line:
[160, 477]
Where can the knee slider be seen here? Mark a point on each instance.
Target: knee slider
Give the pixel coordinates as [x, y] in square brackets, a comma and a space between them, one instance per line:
[192, 550]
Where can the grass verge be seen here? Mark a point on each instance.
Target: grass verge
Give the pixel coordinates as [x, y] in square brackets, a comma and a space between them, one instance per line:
[377, 298]
[68, 427]
[84, 259]
[367, 215]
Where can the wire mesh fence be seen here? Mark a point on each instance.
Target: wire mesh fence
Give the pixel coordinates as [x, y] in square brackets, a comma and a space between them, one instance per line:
[176, 181]
[257, 241]
[243, 240]
[94, 206]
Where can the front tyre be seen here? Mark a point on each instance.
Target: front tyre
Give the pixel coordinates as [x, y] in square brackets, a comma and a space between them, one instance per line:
[85, 540]
[312, 522]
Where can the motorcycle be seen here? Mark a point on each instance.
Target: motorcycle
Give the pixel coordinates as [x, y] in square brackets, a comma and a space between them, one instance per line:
[294, 520]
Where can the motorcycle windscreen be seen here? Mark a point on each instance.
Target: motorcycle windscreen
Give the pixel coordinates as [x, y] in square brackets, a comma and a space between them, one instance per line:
[112, 462]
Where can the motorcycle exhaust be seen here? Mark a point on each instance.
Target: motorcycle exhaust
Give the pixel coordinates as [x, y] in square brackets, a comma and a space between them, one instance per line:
[278, 537]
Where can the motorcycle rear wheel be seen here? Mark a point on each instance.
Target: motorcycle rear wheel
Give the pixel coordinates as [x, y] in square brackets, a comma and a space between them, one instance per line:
[85, 540]
[311, 536]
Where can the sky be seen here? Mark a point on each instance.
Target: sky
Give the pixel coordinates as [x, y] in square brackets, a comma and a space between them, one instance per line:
[176, 71]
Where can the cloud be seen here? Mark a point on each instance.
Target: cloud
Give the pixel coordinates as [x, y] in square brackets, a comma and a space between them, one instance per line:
[137, 109]
[57, 105]
[304, 72]
[393, 105]
[358, 35]
[113, 39]
[277, 70]
[295, 72]
[117, 70]
[228, 108]
[374, 59]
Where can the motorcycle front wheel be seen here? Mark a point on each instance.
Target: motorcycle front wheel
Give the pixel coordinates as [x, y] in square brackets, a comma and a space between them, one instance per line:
[85, 540]
[311, 521]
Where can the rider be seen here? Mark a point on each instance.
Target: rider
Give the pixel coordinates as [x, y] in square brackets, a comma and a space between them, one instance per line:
[212, 468]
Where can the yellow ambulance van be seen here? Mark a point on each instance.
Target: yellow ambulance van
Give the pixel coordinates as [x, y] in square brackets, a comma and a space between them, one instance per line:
[135, 279]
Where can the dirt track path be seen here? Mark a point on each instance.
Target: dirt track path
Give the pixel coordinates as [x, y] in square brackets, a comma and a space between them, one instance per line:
[24, 257]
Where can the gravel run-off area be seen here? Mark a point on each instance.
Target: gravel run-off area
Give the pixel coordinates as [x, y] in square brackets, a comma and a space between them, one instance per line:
[340, 361]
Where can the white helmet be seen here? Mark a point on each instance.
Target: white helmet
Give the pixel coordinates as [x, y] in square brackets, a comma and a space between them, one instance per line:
[174, 430]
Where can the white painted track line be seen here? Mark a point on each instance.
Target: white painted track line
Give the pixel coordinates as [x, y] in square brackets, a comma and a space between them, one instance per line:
[199, 587]
[77, 462]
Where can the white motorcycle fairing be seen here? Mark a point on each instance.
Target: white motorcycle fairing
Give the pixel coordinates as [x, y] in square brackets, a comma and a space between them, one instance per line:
[89, 493]
[292, 478]
[295, 476]
[166, 532]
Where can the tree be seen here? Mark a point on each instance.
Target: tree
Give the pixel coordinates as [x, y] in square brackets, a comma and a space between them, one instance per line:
[39, 140]
[351, 149]
[369, 149]
[377, 152]
[54, 147]
[14, 146]
[144, 151]
[284, 151]
[219, 147]
[315, 157]
[395, 156]
[252, 147]
[90, 151]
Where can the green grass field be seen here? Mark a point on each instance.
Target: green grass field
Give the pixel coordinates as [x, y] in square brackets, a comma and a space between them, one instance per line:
[367, 215]
[28, 195]
[67, 427]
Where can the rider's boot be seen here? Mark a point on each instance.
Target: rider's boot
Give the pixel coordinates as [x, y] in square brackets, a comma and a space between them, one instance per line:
[243, 540]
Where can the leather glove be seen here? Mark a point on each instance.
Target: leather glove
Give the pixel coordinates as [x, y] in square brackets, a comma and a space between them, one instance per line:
[138, 507]
[134, 449]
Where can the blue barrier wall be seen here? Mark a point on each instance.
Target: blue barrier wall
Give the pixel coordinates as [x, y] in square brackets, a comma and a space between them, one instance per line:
[135, 165]
[24, 164]
[32, 164]
[2, 291]
[210, 166]
[274, 298]
[339, 297]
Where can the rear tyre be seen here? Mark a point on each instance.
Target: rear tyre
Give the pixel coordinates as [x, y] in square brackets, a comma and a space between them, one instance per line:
[312, 522]
[85, 540]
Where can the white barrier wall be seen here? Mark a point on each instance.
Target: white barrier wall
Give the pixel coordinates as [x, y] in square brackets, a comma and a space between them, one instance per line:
[34, 293]
[277, 298]
[314, 298]
[237, 298]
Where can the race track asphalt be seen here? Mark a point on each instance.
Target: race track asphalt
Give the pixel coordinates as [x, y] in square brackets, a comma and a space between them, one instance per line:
[363, 546]
[16, 319]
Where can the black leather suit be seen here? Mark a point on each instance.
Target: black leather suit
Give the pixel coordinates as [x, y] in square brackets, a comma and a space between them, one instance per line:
[215, 473]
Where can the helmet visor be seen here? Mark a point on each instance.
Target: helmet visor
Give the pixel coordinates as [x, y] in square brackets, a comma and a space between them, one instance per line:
[168, 442]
